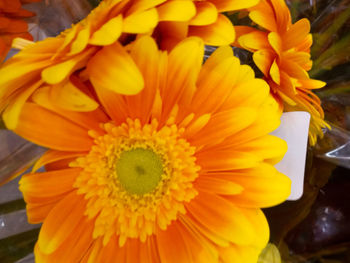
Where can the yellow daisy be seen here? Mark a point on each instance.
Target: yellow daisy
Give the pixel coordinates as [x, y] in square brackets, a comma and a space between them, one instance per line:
[282, 52]
[176, 173]
[52, 61]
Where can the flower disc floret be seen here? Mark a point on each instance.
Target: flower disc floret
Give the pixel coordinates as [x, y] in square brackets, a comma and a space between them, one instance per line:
[117, 198]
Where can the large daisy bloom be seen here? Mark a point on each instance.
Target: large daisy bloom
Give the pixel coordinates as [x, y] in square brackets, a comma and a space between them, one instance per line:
[176, 173]
[12, 24]
[53, 60]
[282, 52]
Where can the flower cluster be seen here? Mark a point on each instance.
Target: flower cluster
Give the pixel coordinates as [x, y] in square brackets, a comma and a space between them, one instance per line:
[154, 155]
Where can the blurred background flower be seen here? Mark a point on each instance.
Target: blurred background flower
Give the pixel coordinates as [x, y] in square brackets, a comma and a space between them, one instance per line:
[12, 23]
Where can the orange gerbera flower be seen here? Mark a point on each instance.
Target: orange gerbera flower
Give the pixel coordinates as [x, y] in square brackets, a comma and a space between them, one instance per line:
[177, 173]
[282, 53]
[53, 60]
[12, 24]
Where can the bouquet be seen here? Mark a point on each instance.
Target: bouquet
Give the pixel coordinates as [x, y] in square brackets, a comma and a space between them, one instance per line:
[158, 131]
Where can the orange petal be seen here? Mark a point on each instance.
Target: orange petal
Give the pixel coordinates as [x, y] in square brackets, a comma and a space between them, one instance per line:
[206, 13]
[275, 42]
[267, 120]
[185, 61]
[143, 5]
[149, 251]
[37, 213]
[301, 58]
[112, 252]
[214, 87]
[68, 39]
[59, 72]
[217, 186]
[132, 247]
[245, 73]
[88, 120]
[141, 22]
[171, 33]
[81, 41]
[200, 248]
[80, 241]
[58, 165]
[221, 217]
[151, 63]
[176, 11]
[120, 74]
[60, 222]
[215, 59]
[266, 147]
[243, 30]
[264, 16]
[275, 72]
[263, 60]
[287, 86]
[108, 33]
[16, 26]
[13, 110]
[51, 130]
[246, 254]
[232, 5]
[52, 156]
[262, 192]
[224, 124]
[283, 18]
[293, 69]
[4, 22]
[296, 34]
[250, 93]
[254, 40]
[221, 160]
[69, 97]
[196, 125]
[204, 232]
[219, 33]
[114, 104]
[262, 232]
[14, 73]
[93, 252]
[312, 83]
[305, 44]
[39, 186]
[171, 245]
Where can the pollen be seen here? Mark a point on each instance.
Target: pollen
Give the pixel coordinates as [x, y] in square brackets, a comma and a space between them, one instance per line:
[136, 179]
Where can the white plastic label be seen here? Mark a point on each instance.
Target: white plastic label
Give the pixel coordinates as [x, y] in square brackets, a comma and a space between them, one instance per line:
[294, 130]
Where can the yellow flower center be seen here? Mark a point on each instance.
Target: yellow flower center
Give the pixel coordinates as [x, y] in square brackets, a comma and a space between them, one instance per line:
[136, 178]
[139, 170]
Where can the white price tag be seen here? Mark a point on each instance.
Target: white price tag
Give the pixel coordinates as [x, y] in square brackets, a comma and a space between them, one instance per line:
[294, 130]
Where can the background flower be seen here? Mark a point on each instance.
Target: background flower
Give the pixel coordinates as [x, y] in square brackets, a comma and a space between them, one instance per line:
[12, 24]
[53, 60]
[204, 131]
[282, 53]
